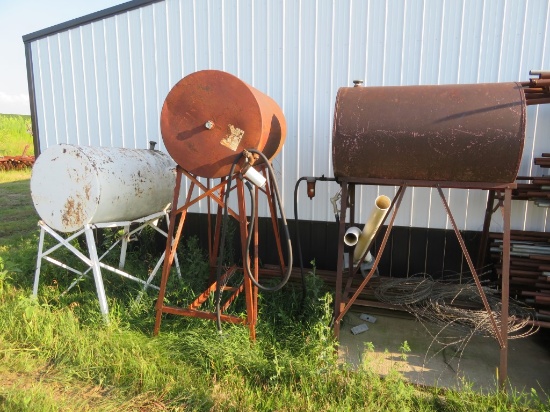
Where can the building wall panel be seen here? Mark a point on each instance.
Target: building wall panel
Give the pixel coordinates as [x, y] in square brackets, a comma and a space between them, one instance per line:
[46, 89]
[75, 90]
[66, 88]
[103, 82]
[114, 104]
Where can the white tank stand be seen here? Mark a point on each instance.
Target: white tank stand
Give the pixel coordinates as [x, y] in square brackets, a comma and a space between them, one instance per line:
[94, 261]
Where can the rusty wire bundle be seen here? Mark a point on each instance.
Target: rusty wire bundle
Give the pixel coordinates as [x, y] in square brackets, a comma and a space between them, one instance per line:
[460, 307]
[405, 291]
[455, 306]
[456, 310]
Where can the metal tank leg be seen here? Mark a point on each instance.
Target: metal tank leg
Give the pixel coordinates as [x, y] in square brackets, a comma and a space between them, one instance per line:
[167, 251]
[273, 211]
[38, 262]
[96, 270]
[470, 265]
[216, 194]
[502, 334]
[124, 247]
[45, 254]
[338, 305]
[506, 215]
[176, 260]
[251, 309]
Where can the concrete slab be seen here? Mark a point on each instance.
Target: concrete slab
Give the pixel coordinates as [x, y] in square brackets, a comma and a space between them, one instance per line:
[430, 363]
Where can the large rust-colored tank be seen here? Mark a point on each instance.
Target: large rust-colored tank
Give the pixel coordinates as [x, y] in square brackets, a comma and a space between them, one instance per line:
[456, 133]
[210, 116]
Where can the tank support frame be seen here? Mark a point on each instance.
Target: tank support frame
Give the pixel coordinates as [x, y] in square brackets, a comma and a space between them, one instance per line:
[93, 260]
[217, 194]
[346, 296]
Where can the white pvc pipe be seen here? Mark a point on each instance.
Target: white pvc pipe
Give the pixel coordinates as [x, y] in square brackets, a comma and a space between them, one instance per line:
[352, 236]
[255, 177]
[377, 215]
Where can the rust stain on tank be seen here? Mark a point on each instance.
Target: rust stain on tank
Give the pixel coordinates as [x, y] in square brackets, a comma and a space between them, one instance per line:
[87, 189]
[72, 213]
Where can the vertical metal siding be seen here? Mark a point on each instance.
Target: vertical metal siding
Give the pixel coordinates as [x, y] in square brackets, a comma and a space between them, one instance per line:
[104, 82]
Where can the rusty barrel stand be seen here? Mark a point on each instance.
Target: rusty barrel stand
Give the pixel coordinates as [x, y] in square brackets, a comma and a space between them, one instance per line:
[216, 193]
[344, 298]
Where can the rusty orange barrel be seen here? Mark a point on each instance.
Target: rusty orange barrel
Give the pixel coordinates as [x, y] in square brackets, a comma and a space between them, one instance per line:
[210, 116]
[454, 133]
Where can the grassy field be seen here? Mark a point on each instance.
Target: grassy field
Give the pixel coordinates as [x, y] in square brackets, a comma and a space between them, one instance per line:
[14, 135]
[56, 353]
[18, 215]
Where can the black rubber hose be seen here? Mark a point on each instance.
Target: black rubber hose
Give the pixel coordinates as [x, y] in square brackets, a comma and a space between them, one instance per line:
[249, 239]
[285, 231]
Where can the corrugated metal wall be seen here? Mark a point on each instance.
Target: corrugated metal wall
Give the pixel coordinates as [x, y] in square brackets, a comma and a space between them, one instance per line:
[104, 82]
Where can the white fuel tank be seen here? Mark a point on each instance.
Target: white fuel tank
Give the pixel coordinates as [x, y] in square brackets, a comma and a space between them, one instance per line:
[75, 185]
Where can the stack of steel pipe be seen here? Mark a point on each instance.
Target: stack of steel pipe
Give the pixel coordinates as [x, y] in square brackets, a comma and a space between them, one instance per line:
[533, 188]
[529, 269]
[537, 90]
[543, 161]
[529, 250]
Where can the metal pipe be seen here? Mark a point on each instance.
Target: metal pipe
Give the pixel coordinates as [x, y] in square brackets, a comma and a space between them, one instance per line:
[377, 215]
[532, 102]
[533, 90]
[541, 95]
[540, 82]
[543, 74]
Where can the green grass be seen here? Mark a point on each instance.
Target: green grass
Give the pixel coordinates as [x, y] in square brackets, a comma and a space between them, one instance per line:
[14, 135]
[57, 354]
[19, 217]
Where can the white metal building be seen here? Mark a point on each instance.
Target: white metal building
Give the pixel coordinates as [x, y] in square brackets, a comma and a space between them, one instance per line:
[102, 79]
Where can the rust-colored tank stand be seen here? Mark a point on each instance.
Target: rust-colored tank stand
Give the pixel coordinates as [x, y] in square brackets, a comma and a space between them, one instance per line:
[345, 297]
[216, 193]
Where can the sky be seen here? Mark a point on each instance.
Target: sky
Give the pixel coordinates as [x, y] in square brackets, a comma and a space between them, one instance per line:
[21, 17]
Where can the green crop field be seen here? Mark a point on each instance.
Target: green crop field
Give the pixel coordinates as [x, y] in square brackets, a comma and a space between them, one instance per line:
[15, 135]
